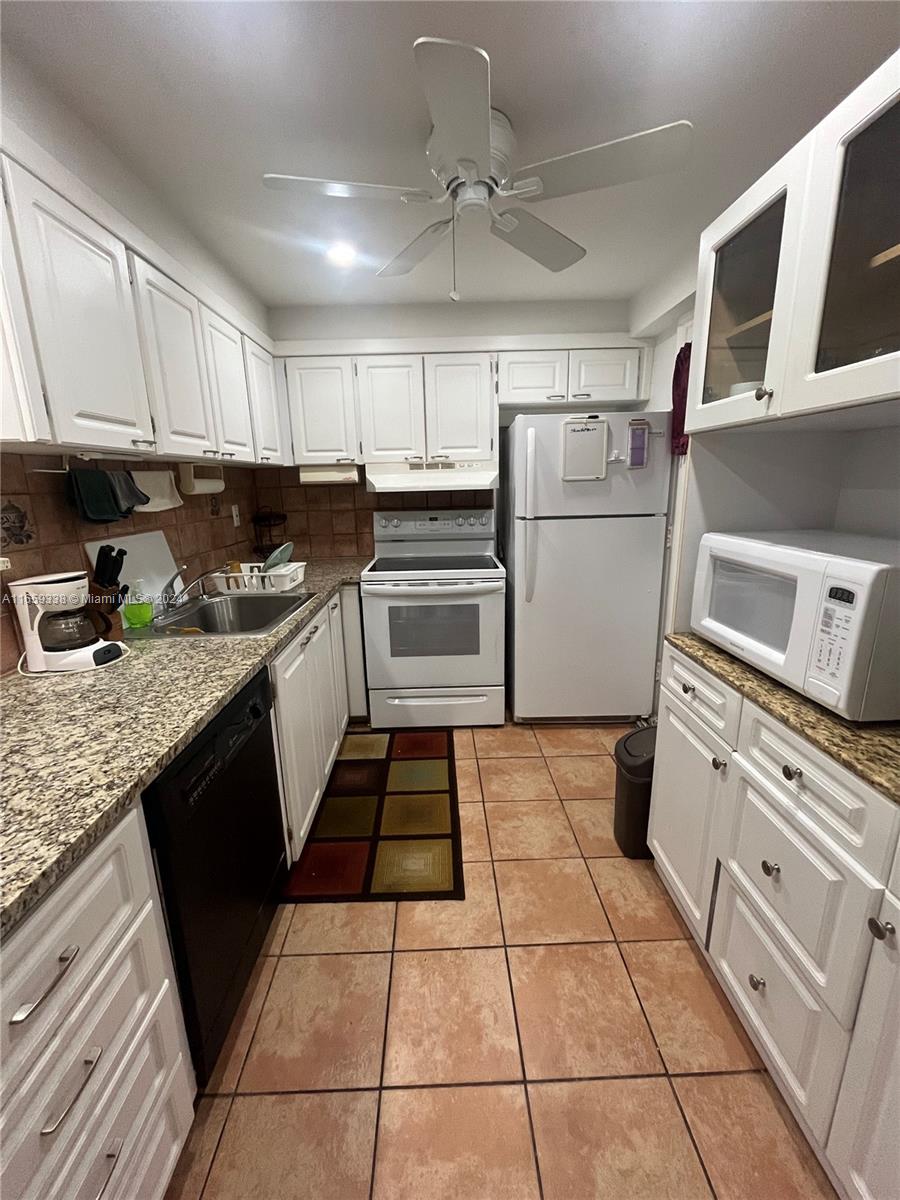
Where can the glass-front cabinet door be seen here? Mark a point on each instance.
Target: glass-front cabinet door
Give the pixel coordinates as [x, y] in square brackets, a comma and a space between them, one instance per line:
[845, 343]
[745, 286]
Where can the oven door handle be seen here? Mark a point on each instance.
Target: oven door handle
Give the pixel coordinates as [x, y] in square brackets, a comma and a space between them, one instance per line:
[390, 591]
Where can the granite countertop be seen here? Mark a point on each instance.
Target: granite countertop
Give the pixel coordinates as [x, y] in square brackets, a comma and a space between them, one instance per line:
[871, 751]
[77, 750]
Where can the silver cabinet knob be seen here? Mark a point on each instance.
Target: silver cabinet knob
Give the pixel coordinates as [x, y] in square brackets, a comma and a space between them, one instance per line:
[791, 772]
[880, 929]
[756, 982]
[687, 688]
[718, 763]
[763, 393]
[770, 869]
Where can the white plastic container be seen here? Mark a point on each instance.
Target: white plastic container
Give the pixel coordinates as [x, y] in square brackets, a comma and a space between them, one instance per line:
[251, 578]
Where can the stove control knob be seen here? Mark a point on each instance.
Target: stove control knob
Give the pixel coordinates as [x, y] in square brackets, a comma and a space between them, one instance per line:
[460, 520]
[472, 521]
[483, 521]
[396, 522]
[383, 523]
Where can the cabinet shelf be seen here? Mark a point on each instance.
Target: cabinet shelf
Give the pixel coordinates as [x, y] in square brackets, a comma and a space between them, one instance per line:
[878, 260]
[747, 334]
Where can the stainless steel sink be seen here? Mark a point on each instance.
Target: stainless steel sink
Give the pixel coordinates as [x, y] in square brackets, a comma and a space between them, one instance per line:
[243, 615]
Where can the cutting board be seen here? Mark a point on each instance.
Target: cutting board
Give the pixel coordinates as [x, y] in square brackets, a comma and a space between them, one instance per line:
[147, 557]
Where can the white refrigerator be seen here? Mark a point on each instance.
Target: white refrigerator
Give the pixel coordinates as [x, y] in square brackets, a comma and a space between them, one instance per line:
[585, 528]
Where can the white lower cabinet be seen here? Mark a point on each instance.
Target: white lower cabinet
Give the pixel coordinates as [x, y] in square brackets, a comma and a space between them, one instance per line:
[691, 765]
[864, 1146]
[326, 706]
[338, 663]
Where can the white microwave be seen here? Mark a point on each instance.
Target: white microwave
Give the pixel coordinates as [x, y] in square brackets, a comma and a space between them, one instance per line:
[818, 611]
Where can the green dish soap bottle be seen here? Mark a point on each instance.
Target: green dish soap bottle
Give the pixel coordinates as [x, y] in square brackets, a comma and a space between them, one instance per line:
[138, 609]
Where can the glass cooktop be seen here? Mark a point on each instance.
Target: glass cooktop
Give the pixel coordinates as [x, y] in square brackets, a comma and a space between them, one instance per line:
[437, 562]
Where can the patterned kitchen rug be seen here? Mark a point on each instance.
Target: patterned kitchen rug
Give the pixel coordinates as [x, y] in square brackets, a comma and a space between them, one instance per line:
[387, 826]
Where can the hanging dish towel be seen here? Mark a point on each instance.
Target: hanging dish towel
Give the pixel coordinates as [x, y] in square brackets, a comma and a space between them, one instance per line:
[679, 399]
[160, 489]
[90, 492]
[127, 493]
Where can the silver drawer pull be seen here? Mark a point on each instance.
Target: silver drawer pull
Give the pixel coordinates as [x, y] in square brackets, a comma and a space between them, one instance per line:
[112, 1157]
[687, 688]
[756, 982]
[65, 961]
[880, 929]
[265, 458]
[581, 395]
[214, 453]
[344, 458]
[143, 442]
[791, 773]
[770, 869]
[556, 396]
[90, 1061]
[413, 458]
[718, 763]
[334, 607]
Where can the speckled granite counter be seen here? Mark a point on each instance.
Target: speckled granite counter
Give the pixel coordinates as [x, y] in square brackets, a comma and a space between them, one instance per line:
[77, 750]
[870, 751]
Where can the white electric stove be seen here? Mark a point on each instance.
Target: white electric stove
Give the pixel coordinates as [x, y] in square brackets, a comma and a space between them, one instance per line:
[433, 602]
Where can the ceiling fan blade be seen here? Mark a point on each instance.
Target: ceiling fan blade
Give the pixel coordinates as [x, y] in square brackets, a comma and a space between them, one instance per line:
[418, 248]
[652, 152]
[537, 239]
[456, 80]
[337, 187]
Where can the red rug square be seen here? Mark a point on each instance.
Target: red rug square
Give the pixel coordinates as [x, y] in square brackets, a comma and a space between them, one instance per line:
[417, 744]
[329, 869]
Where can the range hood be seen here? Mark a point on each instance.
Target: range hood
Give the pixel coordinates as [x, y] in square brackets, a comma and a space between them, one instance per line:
[432, 477]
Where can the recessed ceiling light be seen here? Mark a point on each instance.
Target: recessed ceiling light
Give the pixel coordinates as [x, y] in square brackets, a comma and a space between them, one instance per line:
[342, 254]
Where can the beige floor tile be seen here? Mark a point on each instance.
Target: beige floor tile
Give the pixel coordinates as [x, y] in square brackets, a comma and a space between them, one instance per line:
[549, 901]
[473, 831]
[340, 928]
[277, 930]
[197, 1153]
[227, 1070]
[463, 743]
[516, 779]
[578, 1014]
[535, 829]
[555, 740]
[295, 1148]
[468, 785]
[592, 821]
[614, 1139]
[322, 1025]
[750, 1144]
[434, 924]
[451, 1019]
[695, 1026]
[455, 1144]
[512, 741]
[635, 900]
[612, 733]
[582, 778]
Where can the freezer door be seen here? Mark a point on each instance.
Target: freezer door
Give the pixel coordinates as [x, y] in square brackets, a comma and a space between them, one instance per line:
[585, 616]
[538, 461]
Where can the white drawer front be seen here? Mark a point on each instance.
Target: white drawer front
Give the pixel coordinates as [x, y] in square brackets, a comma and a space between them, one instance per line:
[827, 796]
[814, 895]
[146, 1175]
[714, 702]
[58, 1095]
[49, 958]
[805, 1044]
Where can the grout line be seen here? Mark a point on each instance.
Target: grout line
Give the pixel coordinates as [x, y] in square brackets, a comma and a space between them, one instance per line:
[212, 1157]
[387, 1013]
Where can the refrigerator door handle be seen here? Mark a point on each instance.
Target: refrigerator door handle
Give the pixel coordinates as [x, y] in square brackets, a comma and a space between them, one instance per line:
[530, 455]
[530, 559]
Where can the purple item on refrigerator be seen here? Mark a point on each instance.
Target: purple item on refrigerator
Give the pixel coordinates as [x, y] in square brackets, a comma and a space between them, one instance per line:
[679, 399]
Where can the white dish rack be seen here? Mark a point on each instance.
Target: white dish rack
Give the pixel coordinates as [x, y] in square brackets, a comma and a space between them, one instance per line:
[252, 578]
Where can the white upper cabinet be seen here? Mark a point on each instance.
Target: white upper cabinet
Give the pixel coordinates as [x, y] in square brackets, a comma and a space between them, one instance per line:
[23, 417]
[322, 409]
[265, 405]
[604, 376]
[460, 407]
[391, 407]
[845, 338]
[745, 291]
[172, 341]
[533, 376]
[76, 281]
[228, 387]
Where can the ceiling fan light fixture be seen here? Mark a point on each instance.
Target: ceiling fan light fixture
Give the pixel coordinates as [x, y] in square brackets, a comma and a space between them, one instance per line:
[342, 254]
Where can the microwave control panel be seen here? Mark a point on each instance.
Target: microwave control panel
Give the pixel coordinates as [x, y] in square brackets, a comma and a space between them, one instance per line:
[836, 630]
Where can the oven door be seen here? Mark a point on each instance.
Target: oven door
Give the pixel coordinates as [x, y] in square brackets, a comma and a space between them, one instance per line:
[434, 634]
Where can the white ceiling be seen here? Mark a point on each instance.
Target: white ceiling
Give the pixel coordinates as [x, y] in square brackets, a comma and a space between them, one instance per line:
[201, 98]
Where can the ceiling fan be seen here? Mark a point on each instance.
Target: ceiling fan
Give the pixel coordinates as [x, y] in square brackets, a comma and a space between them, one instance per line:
[470, 153]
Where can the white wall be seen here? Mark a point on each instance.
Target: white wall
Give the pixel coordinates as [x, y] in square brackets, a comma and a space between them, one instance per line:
[33, 115]
[869, 498]
[665, 351]
[309, 322]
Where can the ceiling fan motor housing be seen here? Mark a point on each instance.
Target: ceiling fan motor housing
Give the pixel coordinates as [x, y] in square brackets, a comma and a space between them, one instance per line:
[503, 148]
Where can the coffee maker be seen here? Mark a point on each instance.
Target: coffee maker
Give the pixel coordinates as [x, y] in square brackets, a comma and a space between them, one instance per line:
[57, 629]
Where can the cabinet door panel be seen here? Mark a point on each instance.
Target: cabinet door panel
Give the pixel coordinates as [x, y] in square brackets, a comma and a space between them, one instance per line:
[228, 387]
[391, 407]
[323, 416]
[299, 739]
[265, 404]
[23, 417]
[172, 341]
[604, 376]
[336, 625]
[460, 407]
[325, 689]
[533, 376]
[687, 791]
[76, 280]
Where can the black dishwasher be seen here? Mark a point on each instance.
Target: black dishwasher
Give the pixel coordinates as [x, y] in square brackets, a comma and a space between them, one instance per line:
[214, 819]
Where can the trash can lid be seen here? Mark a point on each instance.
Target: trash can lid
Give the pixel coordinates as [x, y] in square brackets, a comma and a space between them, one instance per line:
[634, 752]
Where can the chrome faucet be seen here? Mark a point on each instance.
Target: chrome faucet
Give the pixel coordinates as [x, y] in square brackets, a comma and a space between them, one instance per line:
[167, 594]
[178, 596]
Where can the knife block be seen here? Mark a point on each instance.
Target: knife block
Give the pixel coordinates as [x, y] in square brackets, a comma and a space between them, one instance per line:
[102, 610]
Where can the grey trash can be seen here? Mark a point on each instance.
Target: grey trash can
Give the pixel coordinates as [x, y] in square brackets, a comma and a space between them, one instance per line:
[634, 779]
